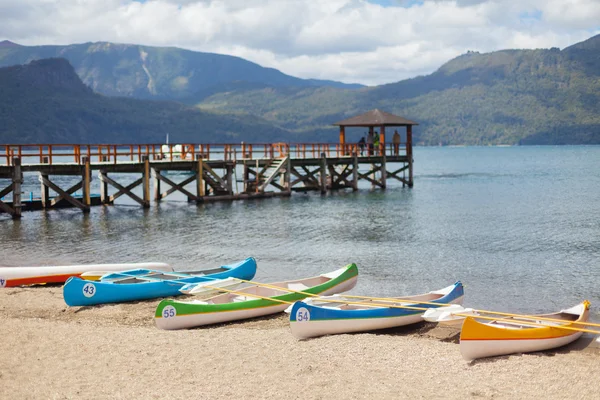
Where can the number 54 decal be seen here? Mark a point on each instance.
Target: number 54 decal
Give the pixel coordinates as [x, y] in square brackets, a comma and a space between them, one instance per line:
[302, 315]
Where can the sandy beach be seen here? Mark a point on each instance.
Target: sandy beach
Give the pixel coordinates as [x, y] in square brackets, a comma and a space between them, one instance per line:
[51, 351]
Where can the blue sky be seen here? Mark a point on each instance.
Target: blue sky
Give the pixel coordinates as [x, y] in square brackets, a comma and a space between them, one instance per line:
[370, 42]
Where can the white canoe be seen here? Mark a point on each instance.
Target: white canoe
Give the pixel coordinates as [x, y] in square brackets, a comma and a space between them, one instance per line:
[19, 276]
[337, 314]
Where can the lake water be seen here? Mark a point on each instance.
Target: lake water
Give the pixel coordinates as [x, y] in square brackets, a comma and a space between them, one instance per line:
[519, 226]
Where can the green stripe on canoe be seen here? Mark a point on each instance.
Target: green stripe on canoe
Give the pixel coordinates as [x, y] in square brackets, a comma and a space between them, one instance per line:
[187, 308]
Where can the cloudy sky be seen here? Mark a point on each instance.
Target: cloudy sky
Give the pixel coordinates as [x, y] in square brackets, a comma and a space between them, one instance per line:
[365, 41]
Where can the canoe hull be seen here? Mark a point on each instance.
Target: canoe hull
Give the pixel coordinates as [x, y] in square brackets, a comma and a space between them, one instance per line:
[480, 340]
[307, 320]
[79, 292]
[22, 276]
[474, 349]
[185, 315]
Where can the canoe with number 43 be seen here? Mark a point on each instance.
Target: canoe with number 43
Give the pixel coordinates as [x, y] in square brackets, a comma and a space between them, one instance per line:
[142, 284]
[251, 301]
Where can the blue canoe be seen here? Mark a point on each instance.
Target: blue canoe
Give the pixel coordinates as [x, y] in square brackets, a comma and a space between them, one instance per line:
[142, 284]
[311, 318]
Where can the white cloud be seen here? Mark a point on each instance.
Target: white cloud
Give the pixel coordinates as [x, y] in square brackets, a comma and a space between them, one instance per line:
[348, 40]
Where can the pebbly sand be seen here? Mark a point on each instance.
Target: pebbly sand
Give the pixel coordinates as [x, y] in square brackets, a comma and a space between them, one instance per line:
[50, 351]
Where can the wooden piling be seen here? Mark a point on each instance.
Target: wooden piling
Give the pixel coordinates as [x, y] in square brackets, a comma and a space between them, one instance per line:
[246, 177]
[104, 197]
[323, 176]
[146, 182]
[17, 180]
[409, 154]
[288, 174]
[200, 186]
[229, 177]
[383, 170]
[156, 184]
[86, 179]
[355, 172]
[45, 192]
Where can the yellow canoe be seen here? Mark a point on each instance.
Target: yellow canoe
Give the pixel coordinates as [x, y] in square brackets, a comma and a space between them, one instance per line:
[512, 335]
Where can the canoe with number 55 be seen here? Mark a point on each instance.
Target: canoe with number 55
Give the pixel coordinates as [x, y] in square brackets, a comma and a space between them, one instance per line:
[336, 314]
[142, 284]
[251, 301]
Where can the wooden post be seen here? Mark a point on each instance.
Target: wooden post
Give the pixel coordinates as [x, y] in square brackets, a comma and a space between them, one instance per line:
[45, 192]
[257, 175]
[246, 177]
[86, 179]
[355, 171]
[409, 154]
[343, 140]
[383, 170]
[17, 180]
[229, 176]
[200, 179]
[104, 198]
[146, 182]
[288, 174]
[156, 184]
[323, 173]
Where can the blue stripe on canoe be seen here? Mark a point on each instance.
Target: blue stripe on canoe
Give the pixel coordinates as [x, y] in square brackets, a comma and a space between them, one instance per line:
[319, 313]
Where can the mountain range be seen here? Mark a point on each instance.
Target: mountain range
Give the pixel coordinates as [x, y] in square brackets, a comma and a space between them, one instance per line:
[542, 96]
[45, 101]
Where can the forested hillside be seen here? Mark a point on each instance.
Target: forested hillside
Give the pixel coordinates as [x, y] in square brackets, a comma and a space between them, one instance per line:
[544, 96]
[46, 102]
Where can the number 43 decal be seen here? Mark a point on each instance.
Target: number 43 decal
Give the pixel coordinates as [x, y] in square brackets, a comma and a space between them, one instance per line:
[89, 290]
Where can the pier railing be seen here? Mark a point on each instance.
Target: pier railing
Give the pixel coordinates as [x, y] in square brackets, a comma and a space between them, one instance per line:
[117, 153]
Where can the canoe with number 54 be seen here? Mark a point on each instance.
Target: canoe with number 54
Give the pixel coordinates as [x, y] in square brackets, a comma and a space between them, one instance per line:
[251, 301]
[337, 314]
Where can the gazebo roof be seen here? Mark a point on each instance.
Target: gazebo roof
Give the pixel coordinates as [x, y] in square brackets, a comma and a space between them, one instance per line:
[376, 118]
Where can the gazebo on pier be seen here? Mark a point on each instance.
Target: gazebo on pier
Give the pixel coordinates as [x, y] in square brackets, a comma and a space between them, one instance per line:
[386, 152]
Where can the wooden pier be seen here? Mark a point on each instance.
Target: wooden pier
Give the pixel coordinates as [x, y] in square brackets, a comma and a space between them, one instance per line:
[274, 169]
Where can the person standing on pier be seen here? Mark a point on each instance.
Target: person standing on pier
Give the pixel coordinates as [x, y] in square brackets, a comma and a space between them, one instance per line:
[396, 142]
[376, 142]
[370, 143]
[361, 144]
